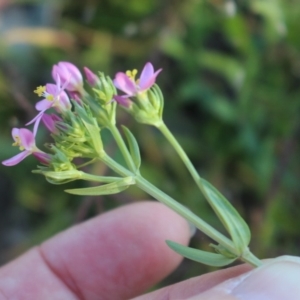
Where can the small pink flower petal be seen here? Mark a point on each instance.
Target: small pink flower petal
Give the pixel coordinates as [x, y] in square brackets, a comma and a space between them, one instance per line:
[125, 84]
[27, 139]
[146, 73]
[50, 121]
[76, 96]
[91, 77]
[16, 159]
[123, 100]
[70, 76]
[36, 120]
[14, 133]
[64, 101]
[52, 89]
[42, 157]
[73, 70]
[43, 105]
[55, 73]
[147, 82]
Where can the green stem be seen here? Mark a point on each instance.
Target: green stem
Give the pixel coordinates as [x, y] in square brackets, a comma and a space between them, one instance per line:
[86, 163]
[250, 258]
[122, 146]
[169, 136]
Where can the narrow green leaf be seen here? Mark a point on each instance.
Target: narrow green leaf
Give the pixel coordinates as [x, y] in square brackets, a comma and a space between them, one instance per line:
[133, 147]
[204, 257]
[58, 182]
[106, 189]
[228, 215]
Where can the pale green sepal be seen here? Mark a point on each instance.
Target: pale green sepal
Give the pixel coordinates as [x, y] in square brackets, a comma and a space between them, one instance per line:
[91, 126]
[156, 89]
[61, 181]
[228, 215]
[204, 257]
[133, 147]
[61, 177]
[106, 189]
[94, 132]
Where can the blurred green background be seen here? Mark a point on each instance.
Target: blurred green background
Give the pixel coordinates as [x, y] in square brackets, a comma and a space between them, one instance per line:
[231, 80]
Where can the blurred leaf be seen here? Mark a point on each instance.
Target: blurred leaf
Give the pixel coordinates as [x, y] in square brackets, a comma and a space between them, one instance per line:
[133, 147]
[231, 219]
[271, 10]
[229, 67]
[204, 257]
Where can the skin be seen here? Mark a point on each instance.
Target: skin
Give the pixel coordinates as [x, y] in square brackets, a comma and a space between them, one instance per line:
[121, 254]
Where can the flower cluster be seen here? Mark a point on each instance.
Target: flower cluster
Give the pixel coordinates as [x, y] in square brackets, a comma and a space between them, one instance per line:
[148, 104]
[74, 117]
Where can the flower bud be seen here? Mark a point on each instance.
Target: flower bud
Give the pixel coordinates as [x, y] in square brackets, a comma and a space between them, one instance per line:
[69, 75]
[91, 77]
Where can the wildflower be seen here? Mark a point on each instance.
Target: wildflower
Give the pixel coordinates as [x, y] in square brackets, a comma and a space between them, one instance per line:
[127, 83]
[69, 75]
[25, 139]
[91, 77]
[54, 96]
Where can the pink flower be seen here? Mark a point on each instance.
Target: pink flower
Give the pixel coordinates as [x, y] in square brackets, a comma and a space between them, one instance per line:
[25, 139]
[91, 77]
[126, 81]
[69, 75]
[54, 96]
[50, 121]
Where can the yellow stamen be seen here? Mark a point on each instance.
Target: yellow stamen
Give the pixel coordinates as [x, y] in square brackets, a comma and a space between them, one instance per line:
[132, 74]
[18, 143]
[40, 90]
[50, 97]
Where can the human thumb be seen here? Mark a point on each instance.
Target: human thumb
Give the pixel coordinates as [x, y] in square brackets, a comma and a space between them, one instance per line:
[276, 279]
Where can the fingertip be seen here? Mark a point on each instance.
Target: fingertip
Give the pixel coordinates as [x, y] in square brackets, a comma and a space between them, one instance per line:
[121, 253]
[276, 279]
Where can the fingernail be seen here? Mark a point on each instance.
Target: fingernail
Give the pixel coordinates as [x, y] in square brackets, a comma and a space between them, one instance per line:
[277, 279]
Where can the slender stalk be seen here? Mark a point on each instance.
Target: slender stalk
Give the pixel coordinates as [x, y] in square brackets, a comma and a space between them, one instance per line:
[122, 146]
[250, 258]
[169, 136]
[86, 163]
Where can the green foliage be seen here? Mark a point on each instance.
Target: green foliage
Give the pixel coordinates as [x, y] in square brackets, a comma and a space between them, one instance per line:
[133, 148]
[230, 218]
